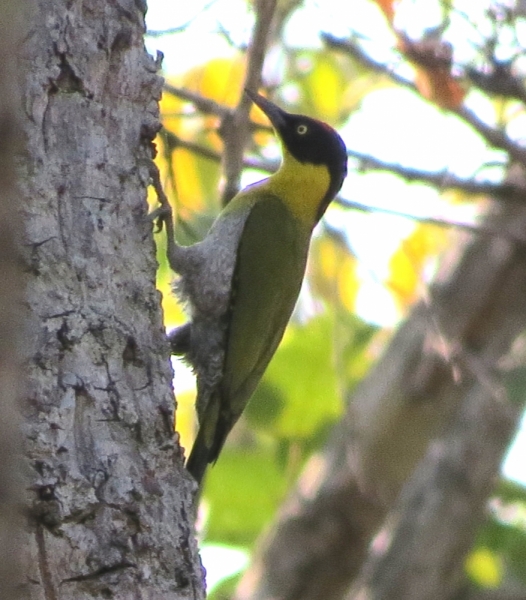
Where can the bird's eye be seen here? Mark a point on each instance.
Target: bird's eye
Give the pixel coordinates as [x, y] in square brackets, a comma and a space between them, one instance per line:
[302, 129]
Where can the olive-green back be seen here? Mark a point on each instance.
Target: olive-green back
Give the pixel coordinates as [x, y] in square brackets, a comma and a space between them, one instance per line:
[267, 279]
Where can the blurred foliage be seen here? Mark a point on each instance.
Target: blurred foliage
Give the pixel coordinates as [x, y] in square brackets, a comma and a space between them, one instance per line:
[501, 544]
[408, 262]
[256, 486]
[327, 348]
[484, 567]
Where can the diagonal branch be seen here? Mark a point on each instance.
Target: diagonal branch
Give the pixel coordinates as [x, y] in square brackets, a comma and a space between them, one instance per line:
[487, 188]
[451, 485]
[175, 141]
[354, 50]
[494, 137]
[235, 126]
[205, 105]
[155, 33]
[440, 179]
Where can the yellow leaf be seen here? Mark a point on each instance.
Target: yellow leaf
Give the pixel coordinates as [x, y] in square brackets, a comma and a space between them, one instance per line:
[332, 272]
[326, 84]
[219, 79]
[172, 109]
[185, 420]
[485, 568]
[408, 261]
[188, 174]
[323, 78]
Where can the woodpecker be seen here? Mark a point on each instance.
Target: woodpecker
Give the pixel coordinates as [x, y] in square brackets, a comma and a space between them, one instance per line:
[241, 282]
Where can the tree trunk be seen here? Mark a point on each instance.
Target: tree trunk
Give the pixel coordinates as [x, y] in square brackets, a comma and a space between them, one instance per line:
[10, 301]
[109, 501]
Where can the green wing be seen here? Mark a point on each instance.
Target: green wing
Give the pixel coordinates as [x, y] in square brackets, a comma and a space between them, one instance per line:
[267, 280]
[269, 271]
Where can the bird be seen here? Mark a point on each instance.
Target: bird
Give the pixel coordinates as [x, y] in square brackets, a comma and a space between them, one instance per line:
[240, 283]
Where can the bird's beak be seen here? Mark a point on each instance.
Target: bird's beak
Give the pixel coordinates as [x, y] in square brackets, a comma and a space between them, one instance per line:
[276, 115]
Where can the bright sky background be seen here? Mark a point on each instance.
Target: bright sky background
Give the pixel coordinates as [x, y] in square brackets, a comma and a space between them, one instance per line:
[419, 136]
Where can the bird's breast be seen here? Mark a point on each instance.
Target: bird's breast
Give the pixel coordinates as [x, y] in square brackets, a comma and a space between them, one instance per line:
[207, 287]
[302, 188]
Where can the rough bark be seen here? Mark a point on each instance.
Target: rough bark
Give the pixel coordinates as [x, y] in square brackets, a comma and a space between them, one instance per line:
[10, 297]
[447, 351]
[109, 503]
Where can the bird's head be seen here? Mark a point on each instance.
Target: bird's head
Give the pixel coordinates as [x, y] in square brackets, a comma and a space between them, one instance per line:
[308, 141]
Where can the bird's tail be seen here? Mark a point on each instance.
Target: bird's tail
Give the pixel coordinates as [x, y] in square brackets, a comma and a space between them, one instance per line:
[204, 449]
[214, 427]
[199, 457]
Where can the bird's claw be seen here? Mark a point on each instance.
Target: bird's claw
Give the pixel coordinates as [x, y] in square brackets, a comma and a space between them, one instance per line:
[159, 216]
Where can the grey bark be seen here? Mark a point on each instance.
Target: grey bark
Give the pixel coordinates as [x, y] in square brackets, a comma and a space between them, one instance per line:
[444, 363]
[109, 503]
[10, 298]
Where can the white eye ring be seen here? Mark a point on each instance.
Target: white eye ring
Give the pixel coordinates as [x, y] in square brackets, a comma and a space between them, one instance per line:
[302, 129]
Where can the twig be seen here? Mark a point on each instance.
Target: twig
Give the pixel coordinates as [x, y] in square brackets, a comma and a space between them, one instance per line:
[235, 127]
[440, 179]
[203, 104]
[356, 52]
[494, 137]
[155, 33]
[471, 228]
[499, 81]
[176, 142]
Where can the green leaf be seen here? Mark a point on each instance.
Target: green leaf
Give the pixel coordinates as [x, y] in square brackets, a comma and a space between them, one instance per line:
[507, 537]
[303, 381]
[225, 589]
[244, 489]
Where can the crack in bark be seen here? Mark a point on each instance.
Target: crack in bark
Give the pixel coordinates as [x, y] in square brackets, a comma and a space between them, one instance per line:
[45, 572]
[100, 572]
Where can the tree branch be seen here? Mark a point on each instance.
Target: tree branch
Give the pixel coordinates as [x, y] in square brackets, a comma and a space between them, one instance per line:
[494, 137]
[153, 33]
[424, 558]
[176, 142]
[478, 229]
[354, 50]
[499, 81]
[439, 179]
[205, 105]
[235, 126]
